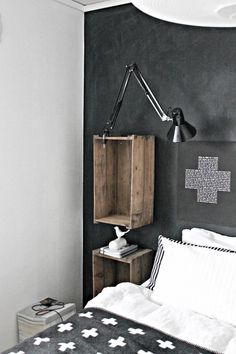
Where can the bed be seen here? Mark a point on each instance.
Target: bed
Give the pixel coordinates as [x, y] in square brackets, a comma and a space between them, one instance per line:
[187, 307]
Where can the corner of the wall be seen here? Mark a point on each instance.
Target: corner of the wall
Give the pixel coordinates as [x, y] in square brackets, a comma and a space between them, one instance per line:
[105, 4]
[71, 3]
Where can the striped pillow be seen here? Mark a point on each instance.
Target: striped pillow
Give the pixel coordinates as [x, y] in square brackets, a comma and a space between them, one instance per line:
[159, 255]
[196, 277]
[156, 265]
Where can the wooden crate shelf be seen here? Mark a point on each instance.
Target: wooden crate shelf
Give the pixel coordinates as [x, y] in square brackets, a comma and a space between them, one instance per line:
[124, 180]
[109, 271]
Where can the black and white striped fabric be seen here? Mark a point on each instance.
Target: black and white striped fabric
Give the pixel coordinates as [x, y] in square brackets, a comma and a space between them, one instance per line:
[94, 331]
[156, 265]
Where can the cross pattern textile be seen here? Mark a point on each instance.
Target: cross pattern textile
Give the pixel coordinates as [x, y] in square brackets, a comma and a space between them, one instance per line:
[64, 346]
[86, 314]
[136, 331]
[109, 321]
[65, 327]
[207, 180]
[166, 344]
[93, 332]
[90, 335]
[119, 342]
[40, 340]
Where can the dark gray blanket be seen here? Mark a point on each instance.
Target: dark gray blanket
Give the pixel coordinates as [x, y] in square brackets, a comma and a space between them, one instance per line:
[95, 331]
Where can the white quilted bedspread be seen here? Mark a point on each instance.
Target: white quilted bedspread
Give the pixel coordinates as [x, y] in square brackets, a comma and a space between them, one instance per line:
[132, 301]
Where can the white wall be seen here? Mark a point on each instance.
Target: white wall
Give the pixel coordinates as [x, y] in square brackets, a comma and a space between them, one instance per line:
[41, 135]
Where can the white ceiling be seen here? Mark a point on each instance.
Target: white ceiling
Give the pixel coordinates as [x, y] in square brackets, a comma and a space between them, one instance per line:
[90, 5]
[89, 2]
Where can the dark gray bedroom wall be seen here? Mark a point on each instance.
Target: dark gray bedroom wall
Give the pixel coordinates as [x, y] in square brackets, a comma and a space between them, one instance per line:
[190, 67]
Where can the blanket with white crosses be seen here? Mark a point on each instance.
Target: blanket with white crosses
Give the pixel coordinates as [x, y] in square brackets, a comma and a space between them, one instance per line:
[95, 331]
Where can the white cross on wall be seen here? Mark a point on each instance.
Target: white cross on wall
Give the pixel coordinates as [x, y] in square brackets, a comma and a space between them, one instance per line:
[39, 340]
[165, 345]
[64, 346]
[117, 342]
[207, 180]
[89, 333]
[109, 321]
[136, 331]
[86, 314]
[65, 327]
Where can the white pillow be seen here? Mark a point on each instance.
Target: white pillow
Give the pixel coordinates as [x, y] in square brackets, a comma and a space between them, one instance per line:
[198, 278]
[208, 238]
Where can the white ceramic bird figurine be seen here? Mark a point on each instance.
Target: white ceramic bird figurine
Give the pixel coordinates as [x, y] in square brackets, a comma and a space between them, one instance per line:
[120, 233]
[120, 241]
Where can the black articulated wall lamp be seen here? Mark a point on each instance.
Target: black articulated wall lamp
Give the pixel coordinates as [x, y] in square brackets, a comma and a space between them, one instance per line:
[180, 130]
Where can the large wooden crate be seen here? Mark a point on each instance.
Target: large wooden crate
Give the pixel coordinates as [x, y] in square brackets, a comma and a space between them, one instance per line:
[124, 180]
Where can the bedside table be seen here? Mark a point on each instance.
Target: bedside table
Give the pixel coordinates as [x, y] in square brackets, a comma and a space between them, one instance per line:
[109, 271]
[29, 324]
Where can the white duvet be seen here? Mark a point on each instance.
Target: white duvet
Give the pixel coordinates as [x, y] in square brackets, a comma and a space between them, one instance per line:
[133, 301]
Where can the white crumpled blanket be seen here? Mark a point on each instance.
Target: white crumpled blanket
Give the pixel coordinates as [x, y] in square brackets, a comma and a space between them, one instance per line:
[133, 301]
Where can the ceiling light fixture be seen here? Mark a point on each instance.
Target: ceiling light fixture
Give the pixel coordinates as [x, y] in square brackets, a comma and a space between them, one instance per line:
[206, 13]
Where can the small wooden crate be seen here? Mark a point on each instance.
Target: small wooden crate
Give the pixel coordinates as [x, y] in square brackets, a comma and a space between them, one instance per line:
[124, 180]
[110, 271]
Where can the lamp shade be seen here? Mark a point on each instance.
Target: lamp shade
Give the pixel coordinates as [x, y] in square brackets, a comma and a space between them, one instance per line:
[208, 13]
[180, 130]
